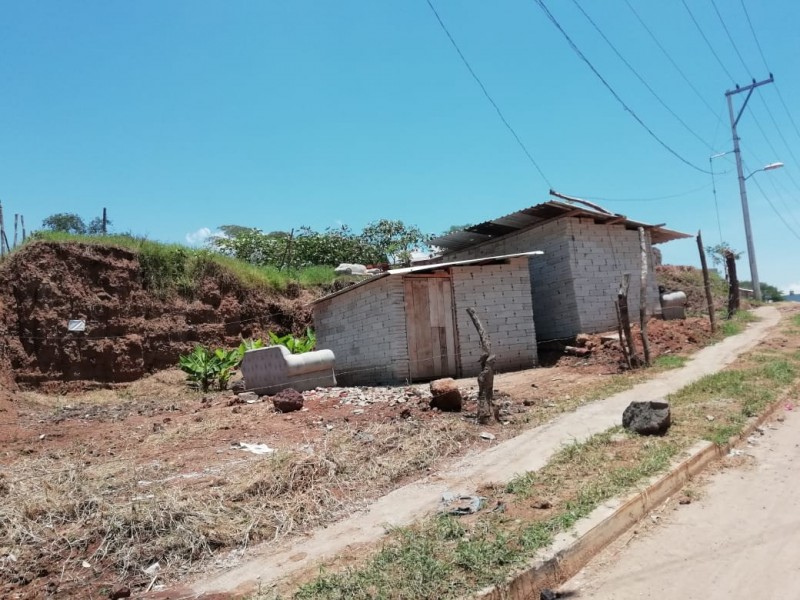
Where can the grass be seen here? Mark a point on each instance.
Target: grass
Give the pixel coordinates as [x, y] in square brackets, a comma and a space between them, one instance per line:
[667, 362]
[67, 507]
[737, 324]
[168, 268]
[442, 557]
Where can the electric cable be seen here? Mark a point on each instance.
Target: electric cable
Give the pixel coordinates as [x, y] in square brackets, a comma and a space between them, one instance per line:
[486, 93]
[613, 92]
[641, 79]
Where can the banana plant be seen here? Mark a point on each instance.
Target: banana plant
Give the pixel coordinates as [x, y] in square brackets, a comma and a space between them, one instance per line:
[201, 366]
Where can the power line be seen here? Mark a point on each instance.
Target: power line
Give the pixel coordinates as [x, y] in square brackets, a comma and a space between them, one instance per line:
[764, 60]
[708, 43]
[486, 93]
[730, 39]
[613, 92]
[639, 77]
[775, 153]
[672, 61]
[777, 212]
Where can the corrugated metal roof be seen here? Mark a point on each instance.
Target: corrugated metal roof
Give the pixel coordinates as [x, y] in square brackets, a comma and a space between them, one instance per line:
[486, 260]
[528, 217]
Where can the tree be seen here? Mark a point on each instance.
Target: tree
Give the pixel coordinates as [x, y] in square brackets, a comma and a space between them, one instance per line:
[768, 292]
[394, 240]
[232, 231]
[65, 222]
[95, 226]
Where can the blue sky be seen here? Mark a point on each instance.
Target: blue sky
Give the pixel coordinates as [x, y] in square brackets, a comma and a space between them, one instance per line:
[183, 116]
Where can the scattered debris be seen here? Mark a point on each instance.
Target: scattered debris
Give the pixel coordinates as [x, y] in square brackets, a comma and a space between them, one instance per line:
[647, 418]
[488, 436]
[542, 504]
[710, 417]
[119, 592]
[736, 452]
[458, 505]
[254, 448]
[685, 500]
[249, 397]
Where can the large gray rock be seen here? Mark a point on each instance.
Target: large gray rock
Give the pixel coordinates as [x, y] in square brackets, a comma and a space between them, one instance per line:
[446, 395]
[647, 418]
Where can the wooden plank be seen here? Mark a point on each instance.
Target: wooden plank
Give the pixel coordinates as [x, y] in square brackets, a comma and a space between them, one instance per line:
[434, 317]
[450, 328]
[408, 296]
[422, 325]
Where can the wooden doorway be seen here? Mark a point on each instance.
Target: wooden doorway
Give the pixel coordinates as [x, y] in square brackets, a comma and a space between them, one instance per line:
[430, 327]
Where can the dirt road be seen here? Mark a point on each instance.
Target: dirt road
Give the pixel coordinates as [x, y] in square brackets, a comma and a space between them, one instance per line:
[739, 540]
[529, 451]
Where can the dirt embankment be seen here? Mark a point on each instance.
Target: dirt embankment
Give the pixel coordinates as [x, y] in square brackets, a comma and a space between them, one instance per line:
[130, 330]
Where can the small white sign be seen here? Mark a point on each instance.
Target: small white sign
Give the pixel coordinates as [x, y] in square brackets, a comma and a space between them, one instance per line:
[76, 325]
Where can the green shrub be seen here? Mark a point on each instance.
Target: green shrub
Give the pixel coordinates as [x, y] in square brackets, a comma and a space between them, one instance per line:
[295, 345]
[203, 367]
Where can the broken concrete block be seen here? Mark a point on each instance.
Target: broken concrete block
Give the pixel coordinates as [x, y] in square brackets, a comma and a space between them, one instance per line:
[647, 418]
[446, 395]
[288, 400]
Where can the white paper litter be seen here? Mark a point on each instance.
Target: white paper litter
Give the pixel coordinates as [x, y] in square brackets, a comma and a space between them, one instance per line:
[254, 448]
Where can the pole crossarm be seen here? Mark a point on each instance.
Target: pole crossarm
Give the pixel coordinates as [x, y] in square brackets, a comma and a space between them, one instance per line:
[749, 89]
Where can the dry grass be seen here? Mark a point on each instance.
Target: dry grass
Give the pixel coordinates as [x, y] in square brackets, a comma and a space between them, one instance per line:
[121, 519]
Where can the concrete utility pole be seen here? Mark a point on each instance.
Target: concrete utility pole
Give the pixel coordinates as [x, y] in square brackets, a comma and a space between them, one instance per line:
[751, 252]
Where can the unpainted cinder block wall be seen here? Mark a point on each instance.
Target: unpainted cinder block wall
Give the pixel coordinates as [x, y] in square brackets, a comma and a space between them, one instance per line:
[366, 329]
[501, 296]
[575, 282]
[602, 254]
[555, 309]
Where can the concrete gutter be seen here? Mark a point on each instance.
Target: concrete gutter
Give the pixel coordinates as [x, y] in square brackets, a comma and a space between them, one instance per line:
[572, 550]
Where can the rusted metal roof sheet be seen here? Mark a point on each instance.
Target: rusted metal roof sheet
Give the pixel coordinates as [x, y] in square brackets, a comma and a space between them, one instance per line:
[533, 215]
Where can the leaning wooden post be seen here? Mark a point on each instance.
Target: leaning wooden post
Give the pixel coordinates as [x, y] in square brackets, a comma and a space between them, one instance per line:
[486, 376]
[16, 228]
[733, 284]
[707, 283]
[22, 224]
[622, 343]
[2, 232]
[105, 221]
[622, 300]
[643, 298]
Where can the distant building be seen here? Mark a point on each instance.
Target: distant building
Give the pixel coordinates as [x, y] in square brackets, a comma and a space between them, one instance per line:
[792, 296]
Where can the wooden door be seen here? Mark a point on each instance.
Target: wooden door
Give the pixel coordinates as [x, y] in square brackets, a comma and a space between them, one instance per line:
[430, 328]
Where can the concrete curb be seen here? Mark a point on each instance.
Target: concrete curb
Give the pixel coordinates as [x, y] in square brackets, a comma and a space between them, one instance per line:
[571, 551]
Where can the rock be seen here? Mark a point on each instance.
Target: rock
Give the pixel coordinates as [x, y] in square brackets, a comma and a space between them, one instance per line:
[529, 402]
[488, 436]
[446, 395]
[248, 397]
[119, 592]
[542, 504]
[647, 418]
[287, 400]
[237, 386]
[350, 269]
[582, 339]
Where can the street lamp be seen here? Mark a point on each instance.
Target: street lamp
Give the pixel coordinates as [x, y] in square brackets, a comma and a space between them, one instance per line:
[769, 167]
[751, 251]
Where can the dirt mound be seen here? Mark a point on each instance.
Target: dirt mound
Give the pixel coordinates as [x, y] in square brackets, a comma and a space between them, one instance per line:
[131, 328]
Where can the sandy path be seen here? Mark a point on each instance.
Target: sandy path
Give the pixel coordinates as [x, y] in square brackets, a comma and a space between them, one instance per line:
[740, 540]
[527, 452]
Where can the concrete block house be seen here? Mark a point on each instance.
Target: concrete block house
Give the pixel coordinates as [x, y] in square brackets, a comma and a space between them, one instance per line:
[411, 324]
[586, 252]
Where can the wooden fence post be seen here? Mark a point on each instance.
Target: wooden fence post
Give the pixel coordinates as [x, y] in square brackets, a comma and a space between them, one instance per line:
[16, 228]
[707, 283]
[486, 376]
[733, 284]
[105, 221]
[622, 300]
[643, 298]
[22, 223]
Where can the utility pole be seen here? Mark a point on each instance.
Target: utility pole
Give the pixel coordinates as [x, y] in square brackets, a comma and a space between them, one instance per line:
[751, 252]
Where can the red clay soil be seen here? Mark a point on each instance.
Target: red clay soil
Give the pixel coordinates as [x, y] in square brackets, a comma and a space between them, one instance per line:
[130, 330]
